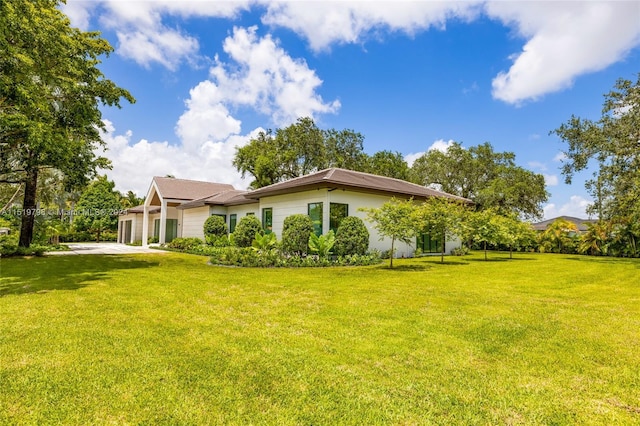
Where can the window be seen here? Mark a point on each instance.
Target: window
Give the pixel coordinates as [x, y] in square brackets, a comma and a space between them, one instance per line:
[251, 214]
[428, 244]
[314, 210]
[267, 220]
[233, 219]
[337, 212]
[223, 216]
[156, 228]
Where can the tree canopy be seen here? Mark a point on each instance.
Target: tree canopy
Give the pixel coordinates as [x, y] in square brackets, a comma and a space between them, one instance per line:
[490, 179]
[613, 143]
[50, 92]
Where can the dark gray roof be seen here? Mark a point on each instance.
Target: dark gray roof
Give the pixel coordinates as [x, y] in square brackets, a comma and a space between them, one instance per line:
[580, 223]
[355, 181]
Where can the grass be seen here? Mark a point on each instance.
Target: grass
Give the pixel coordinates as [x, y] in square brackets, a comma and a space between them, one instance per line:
[168, 339]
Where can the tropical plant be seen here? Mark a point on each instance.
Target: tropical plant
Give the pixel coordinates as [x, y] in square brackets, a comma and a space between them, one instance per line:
[559, 236]
[264, 242]
[596, 240]
[322, 244]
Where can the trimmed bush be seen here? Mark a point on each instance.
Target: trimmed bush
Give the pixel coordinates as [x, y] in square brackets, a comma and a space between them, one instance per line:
[352, 237]
[215, 226]
[185, 243]
[246, 231]
[296, 231]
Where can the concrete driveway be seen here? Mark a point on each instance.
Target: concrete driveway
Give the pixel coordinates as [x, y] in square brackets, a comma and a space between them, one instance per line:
[103, 248]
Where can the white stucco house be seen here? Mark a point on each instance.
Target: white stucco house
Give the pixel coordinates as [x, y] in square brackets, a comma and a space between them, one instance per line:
[178, 207]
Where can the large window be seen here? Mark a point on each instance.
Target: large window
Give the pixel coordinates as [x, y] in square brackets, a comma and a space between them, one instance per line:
[314, 210]
[267, 220]
[337, 212]
[233, 220]
[428, 244]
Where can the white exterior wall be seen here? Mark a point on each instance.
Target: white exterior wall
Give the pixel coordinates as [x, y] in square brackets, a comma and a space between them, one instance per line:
[193, 221]
[296, 203]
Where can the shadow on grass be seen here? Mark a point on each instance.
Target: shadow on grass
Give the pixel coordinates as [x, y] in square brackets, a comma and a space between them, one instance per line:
[43, 274]
[404, 268]
[605, 259]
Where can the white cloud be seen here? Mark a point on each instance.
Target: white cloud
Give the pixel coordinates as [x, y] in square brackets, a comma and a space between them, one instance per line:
[266, 78]
[439, 145]
[536, 165]
[576, 207]
[550, 180]
[325, 23]
[561, 156]
[134, 164]
[564, 40]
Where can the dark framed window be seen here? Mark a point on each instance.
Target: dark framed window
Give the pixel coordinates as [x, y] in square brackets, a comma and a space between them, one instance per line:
[233, 220]
[314, 210]
[267, 220]
[156, 228]
[428, 244]
[223, 216]
[337, 212]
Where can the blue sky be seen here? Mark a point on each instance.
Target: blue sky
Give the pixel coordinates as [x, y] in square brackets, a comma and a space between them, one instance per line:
[409, 76]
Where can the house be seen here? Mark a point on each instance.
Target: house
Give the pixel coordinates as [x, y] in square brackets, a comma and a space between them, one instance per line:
[581, 224]
[178, 207]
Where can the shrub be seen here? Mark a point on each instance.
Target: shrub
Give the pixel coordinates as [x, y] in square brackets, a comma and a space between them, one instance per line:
[246, 231]
[460, 251]
[217, 241]
[14, 250]
[185, 244]
[215, 226]
[323, 244]
[264, 242]
[352, 237]
[295, 234]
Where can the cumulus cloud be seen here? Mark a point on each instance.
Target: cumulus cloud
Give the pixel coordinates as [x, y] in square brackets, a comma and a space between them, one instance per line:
[439, 145]
[576, 207]
[264, 76]
[550, 180]
[135, 163]
[564, 41]
[325, 23]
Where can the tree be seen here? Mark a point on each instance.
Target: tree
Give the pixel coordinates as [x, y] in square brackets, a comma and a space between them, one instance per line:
[484, 227]
[50, 92]
[214, 228]
[395, 219]
[613, 142]
[597, 239]
[441, 219]
[514, 233]
[388, 163]
[490, 179]
[98, 207]
[559, 235]
[130, 199]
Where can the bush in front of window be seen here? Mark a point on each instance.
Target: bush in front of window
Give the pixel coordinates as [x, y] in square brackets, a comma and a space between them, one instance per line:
[352, 237]
[295, 234]
[246, 231]
[215, 226]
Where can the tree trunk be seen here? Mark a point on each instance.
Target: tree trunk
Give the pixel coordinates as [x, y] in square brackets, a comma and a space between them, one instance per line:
[393, 240]
[29, 208]
[485, 250]
[444, 246]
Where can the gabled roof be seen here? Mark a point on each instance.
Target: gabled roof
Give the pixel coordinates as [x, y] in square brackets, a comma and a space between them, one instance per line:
[231, 197]
[140, 209]
[356, 181]
[580, 223]
[184, 189]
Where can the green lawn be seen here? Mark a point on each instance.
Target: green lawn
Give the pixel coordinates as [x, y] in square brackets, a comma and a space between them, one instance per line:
[167, 339]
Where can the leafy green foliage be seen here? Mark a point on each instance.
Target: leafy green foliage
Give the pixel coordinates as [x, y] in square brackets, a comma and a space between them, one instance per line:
[185, 244]
[215, 226]
[483, 227]
[440, 218]
[264, 242]
[51, 93]
[612, 142]
[490, 179]
[395, 219]
[352, 237]
[98, 208]
[559, 237]
[246, 231]
[388, 163]
[322, 244]
[295, 234]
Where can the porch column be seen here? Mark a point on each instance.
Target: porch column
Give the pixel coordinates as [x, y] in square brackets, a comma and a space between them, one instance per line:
[163, 222]
[145, 226]
[134, 227]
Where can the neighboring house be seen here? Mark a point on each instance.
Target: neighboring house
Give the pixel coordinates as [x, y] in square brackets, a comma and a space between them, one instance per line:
[581, 224]
[175, 208]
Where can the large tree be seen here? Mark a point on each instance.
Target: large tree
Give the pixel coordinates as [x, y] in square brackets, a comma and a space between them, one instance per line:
[490, 179]
[51, 90]
[98, 208]
[613, 143]
[388, 163]
[297, 150]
